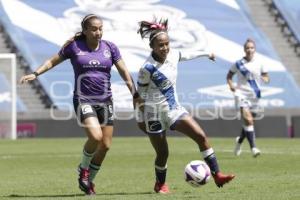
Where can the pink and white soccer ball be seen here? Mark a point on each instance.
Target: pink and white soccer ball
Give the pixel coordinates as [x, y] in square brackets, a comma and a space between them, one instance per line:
[197, 173]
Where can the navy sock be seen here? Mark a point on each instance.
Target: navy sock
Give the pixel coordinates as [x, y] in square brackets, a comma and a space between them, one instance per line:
[160, 173]
[211, 160]
[242, 136]
[251, 138]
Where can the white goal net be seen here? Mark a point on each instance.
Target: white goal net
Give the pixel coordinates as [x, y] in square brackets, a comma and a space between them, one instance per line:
[8, 102]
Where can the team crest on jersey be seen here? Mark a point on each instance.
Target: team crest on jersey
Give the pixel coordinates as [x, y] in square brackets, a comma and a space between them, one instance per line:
[107, 53]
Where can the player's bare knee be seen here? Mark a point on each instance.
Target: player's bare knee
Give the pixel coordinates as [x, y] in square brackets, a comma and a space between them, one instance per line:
[105, 146]
[97, 137]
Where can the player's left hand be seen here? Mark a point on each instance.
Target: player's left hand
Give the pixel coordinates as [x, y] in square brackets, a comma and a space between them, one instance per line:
[265, 79]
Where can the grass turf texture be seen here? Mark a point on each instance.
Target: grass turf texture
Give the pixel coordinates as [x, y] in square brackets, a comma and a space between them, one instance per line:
[46, 169]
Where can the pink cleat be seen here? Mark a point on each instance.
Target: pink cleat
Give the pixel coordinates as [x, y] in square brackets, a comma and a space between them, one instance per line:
[161, 188]
[221, 179]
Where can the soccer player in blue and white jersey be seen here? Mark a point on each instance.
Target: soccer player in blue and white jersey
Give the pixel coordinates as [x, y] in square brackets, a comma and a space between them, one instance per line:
[250, 72]
[157, 86]
[92, 59]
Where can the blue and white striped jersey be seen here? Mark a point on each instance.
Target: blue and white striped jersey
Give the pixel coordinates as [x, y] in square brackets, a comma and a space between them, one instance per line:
[157, 81]
[255, 69]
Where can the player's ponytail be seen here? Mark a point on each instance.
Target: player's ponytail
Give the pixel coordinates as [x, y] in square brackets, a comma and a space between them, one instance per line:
[152, 29]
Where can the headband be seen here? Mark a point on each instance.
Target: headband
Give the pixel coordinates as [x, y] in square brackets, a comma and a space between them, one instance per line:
[86, 18]
[157, 34]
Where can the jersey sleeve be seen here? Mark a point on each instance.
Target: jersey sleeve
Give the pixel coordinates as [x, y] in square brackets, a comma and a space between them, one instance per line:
[233, 68]
[66, 51]
[143, 82]
[189, 55]
[115, 52]
[263, 69]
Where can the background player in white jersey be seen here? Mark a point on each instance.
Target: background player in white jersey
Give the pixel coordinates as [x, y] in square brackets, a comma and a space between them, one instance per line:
[250, 72]
[157, 86]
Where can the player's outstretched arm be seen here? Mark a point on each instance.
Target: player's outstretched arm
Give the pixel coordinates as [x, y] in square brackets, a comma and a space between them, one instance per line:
[189, 55]
[48, 64]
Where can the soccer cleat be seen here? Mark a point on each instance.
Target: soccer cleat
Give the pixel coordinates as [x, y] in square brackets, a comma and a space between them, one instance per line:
[238, 147]
[221, 179]
[161, 188]
[255, 152]
[83, 180]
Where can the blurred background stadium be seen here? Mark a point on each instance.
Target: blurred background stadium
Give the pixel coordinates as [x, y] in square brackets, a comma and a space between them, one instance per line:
[35, 30]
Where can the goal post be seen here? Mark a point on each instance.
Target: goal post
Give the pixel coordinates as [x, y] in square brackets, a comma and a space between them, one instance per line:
[8, 96]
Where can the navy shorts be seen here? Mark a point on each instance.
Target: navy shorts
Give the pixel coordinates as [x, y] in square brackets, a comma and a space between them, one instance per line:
[102, 111]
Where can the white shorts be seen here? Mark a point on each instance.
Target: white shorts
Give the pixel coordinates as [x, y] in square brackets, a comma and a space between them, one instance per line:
[247, 102]
[158, 118]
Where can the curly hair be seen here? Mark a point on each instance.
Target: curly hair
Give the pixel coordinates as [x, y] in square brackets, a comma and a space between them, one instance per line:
[152, 29]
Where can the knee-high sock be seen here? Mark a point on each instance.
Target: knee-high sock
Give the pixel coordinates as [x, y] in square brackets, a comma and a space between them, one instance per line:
[161, 173]
[86, 159]
[211, 160]
[242, 136]
[94, 169]
[250, 134]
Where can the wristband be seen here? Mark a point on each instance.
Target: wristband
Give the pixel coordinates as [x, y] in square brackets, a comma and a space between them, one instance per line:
[36, 74]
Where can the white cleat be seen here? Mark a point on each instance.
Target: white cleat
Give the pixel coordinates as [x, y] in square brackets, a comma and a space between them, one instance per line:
[255, 152]
[238, 149]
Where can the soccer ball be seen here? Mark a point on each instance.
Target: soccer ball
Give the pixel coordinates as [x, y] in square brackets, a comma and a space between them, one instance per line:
[197, 173]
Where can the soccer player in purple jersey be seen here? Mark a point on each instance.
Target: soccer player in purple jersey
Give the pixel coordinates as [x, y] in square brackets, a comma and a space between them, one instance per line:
[92, 59]
[250, 72]
[157, 86]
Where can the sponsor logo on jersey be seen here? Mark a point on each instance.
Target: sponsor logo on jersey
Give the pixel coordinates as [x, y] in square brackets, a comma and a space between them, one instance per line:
[165, 84]
[94, 62]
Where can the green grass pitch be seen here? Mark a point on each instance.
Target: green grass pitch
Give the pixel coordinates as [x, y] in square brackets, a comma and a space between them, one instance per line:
[46, 169]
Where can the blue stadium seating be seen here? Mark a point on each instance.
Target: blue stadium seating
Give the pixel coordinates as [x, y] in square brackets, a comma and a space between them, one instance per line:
[290, 11]
[228, 25]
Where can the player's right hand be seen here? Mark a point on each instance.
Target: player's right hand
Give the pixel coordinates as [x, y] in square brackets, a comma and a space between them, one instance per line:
[232, 89]
[27, 78]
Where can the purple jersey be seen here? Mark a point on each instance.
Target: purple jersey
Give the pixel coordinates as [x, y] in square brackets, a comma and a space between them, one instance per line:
[91, 69]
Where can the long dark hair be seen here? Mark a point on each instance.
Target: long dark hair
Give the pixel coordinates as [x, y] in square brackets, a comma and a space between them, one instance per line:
[152, 29]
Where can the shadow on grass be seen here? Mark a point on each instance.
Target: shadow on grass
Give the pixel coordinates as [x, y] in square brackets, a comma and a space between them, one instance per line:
[76, 195]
